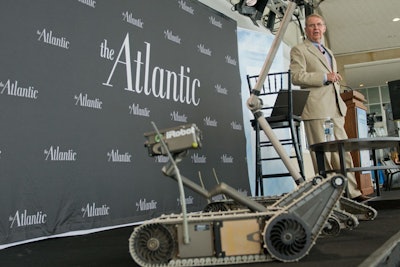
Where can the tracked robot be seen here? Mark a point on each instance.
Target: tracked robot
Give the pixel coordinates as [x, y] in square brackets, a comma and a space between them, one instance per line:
[247, 230]
[285, 230]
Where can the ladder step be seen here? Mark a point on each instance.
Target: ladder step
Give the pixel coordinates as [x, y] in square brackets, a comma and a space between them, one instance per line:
[275, 175]
[276, 158]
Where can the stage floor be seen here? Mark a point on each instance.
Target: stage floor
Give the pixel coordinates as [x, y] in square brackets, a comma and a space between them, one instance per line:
[110, 248]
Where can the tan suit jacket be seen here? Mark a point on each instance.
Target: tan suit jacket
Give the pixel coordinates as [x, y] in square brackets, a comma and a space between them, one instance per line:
[308, 67]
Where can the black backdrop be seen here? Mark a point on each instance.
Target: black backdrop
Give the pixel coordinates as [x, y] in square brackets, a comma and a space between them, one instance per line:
[80, 82]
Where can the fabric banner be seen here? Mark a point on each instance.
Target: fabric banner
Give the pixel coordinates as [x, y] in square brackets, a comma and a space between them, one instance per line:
[80, 83]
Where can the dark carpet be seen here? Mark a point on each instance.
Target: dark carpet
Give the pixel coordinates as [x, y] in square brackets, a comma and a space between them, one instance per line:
[110, 248]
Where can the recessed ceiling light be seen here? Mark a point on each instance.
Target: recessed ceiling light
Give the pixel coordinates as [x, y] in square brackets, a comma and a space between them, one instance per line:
[361, 85]
[396, 19]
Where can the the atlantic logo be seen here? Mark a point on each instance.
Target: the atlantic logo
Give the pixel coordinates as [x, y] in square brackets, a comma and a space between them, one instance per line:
[144, 205]
[170, 36]
[155, 81]
[222, 196]
[210, 122]
[128, 17]
[183, 5]
[20, 219]
[230, 60]
[93, 211]
[175, 116]
[55, 154]
[236, 126]
[188, 201]
[12, 89]
[203, 50]
[218, 197]
[116, 156]
[244, 192]
[135, 109]
[48, 38]
[215, 22]
[198, 159]
[90, 3]
[161, 159]
[226, 159]
[84, 101]
[221, 90]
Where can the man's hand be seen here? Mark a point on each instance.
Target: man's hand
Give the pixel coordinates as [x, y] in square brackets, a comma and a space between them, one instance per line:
[333, 77]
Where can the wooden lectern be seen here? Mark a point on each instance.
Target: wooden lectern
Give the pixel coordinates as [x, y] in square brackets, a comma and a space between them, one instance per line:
[356, 127]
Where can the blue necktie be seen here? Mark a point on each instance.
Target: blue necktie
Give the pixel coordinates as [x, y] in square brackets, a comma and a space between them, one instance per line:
[326, 55]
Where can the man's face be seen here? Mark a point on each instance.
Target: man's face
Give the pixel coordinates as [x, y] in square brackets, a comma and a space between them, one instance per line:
[315, 29]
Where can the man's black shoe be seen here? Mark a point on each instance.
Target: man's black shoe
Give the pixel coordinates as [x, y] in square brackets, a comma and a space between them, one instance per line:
[361, 198]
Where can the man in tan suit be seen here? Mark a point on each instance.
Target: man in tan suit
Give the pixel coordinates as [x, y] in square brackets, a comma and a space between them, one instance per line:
[313, 67]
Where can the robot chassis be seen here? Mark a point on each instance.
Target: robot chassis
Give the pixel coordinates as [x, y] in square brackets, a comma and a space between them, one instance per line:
[245, 230]
[345, 215]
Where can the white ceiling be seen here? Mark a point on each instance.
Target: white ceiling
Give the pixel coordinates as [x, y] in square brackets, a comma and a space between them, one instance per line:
[371, 74]
[364, 26]
[353, 27]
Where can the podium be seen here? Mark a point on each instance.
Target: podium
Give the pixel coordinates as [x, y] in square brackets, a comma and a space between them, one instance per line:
[356, 127]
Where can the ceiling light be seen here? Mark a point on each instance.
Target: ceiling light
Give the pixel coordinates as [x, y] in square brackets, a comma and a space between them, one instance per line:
[251, 8]
[396, 19]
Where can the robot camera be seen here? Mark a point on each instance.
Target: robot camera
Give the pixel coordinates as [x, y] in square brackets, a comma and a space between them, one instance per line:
[177, 139]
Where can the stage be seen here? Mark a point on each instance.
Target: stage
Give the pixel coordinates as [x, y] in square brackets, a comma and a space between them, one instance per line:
[372, 243]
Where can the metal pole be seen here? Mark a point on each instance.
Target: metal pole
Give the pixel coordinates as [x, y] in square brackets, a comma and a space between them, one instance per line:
[186, 238]
[254, 104]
